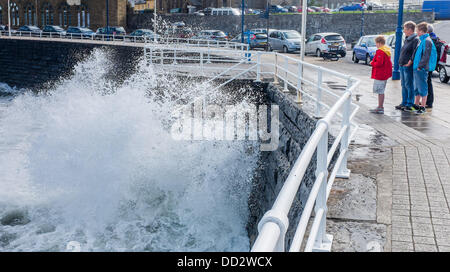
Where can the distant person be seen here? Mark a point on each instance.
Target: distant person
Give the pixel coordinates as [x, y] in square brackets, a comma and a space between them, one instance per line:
[438, 44]
[406, 67]
[6, 27]
[424, 61]
[381, 71]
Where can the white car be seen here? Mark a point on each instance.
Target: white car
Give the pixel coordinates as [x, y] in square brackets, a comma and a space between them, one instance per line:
[320, 43]
[217, 35]
[444, 70]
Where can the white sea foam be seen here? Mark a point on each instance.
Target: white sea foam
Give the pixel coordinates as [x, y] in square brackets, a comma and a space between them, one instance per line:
[93, 162]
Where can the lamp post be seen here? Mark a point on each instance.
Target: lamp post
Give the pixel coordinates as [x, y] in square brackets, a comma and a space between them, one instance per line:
[154, 21]
[398, 41]
[107, 15]
[9, 19]
[242, 21]
[304, 12]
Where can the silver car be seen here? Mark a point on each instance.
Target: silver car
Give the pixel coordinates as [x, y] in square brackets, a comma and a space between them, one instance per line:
[284, 40]
[325, 43]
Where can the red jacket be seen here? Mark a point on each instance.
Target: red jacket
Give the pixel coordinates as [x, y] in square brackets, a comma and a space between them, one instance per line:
[382, 64]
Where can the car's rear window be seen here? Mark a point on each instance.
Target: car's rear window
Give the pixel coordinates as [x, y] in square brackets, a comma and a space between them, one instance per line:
[334, 38]
[261, 36]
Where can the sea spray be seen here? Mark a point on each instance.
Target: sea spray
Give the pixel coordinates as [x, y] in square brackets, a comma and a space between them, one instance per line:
[92, 162]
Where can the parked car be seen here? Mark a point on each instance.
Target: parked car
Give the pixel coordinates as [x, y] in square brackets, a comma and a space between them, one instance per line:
[390, 41]
[216, 35]
[53, 31]
[316, 9]
[225, 11]
[141, 34]
[353, 7]
[261, 30]
[116, 32]
[257, 40]
[291, 8]
[284, 40]
[277, 9]
[444, 70]
[364, 49]
[30, 30]
[80, 32]
[325, 43]
[308, 10]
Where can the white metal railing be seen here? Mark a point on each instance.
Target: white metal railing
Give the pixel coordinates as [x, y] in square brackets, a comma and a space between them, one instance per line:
[162, 40]
[294, 74]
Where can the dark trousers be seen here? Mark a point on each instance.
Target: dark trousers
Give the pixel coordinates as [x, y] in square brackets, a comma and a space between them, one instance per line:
[430, 98]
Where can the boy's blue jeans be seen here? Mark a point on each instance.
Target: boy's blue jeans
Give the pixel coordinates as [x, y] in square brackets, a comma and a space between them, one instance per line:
[407, 78]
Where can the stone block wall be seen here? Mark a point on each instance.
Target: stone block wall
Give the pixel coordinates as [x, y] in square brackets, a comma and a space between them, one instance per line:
[33, 63]
[347, 24]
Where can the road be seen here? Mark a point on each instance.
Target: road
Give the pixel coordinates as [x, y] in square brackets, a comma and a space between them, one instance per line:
[442, 29]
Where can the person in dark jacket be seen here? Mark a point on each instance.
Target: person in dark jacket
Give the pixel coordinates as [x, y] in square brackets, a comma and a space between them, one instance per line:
[424, 61]
[430, 97]
[406, 67]
[381, 71]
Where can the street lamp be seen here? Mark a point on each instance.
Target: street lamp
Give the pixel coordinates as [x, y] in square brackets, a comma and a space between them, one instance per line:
[398, 41]
[154, 20]
[304, 12]
[107, 16]
[242, 21]
[9, 18]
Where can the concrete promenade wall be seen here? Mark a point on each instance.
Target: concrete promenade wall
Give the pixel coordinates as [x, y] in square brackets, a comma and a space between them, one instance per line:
[347, 24]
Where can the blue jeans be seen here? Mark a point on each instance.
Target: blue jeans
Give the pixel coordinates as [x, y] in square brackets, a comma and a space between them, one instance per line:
[407, 78]
[420, 82]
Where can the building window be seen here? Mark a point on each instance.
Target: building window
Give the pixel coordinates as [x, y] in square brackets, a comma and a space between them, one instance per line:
[47, 14]
[83, 16]
[64, 15]
[29, 15]
[15, 20]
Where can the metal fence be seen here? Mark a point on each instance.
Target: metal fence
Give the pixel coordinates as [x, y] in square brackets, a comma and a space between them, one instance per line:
[160, 40]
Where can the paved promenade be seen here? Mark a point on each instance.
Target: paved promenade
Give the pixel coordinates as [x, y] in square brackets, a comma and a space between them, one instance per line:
[413, 190]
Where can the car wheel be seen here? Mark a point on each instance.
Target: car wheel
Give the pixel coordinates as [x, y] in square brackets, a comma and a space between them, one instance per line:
[270, 48]
[318, 53]
[354, 58]
[285, 49]
[367, 59]
[343, 55]
[443, 76]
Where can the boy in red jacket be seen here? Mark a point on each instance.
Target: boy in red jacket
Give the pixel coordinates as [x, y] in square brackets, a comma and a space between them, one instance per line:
[381, 71]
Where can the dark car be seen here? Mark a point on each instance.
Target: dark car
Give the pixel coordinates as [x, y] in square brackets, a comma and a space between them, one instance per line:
[141, 34]
[29, 30]
[256, 40]
[277, 9]
[53, 31]
[112, 32]
[80, 32]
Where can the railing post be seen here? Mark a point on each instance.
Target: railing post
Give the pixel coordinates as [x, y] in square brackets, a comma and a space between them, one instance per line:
[275, 78]
[343, 171]
[258, 67]
[201, 62]
[319, 92]
[322, 240]
[174, 56]
[299, 83]
[286, 63]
